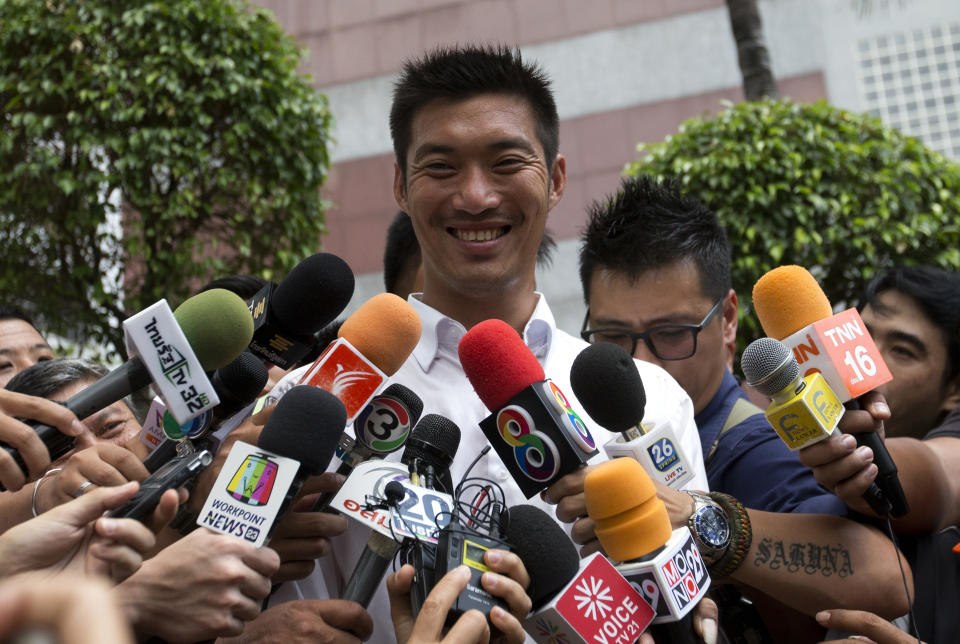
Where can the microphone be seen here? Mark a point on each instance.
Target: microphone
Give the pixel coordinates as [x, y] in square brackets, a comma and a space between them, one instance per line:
[533, 428]
[605, 380]
[428, 453]
[238, 384]
[373, 344]
[633, 527]
[285, 317]
[574, 601]
[217, 328]
[793, 308]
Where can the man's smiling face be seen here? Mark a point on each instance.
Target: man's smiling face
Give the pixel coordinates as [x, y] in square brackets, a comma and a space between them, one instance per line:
[478, 190]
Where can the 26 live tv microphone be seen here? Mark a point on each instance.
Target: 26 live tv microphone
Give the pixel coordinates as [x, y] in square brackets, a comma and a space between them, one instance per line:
[373, 344]
[605, 380]
[428, 453]
[533, 428]
[633, 527]
[217, 327]
[574, 601]
[285, 317]
[793, 308]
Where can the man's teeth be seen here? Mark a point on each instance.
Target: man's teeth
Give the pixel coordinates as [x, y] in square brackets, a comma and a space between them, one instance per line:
[480, 235]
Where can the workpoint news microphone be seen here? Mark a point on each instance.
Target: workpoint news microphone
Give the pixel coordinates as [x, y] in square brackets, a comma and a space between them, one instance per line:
[633, 527]
[533, 428]
[605, 380]
[285, 317]
[793, 308]
[373, 344]
[573, 601]
[205, 332]
[429, 451]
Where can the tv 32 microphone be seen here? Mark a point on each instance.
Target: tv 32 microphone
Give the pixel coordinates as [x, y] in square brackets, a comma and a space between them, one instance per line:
[373, 344]
[573, 601]
[793, 308]
[217, 328]
[605, 380]
[633, 527]
[285, 317]
[429, 451]
[533, 428]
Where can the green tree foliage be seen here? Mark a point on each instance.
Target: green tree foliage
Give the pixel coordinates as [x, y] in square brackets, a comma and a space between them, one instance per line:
[816, 186]
[188, 117]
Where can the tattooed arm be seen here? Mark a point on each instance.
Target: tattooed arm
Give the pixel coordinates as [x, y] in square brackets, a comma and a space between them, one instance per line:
[811, 562]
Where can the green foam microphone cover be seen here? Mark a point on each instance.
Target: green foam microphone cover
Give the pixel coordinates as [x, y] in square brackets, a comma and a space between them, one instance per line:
[218, 326]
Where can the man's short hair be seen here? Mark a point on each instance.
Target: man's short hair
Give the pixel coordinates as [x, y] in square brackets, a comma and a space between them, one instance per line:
[402, 252]
[648, 225]
[48, 377]
[936, 292]
[8, 312]
[463, 72]
[246, 286]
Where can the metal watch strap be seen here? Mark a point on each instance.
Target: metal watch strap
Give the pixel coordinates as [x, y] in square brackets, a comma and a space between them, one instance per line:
[709, 553]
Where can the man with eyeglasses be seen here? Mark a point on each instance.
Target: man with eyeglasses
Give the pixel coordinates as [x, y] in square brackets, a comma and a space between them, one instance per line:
[655, 269]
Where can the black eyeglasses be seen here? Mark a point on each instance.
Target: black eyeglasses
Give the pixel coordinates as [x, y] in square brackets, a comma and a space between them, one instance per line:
[667, 342]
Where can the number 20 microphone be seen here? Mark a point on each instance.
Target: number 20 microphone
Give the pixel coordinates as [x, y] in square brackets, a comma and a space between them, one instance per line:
[533, 429]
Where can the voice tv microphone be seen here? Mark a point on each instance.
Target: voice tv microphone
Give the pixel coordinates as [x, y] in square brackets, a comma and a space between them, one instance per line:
[575, 602]
[633, 527]
[216, 327]
[793, 308]
[606, 382]
[533, 428]
[285, 317]
[373, 344]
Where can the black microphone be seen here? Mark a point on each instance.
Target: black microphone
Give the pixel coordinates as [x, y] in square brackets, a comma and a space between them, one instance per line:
[428, 453]
[217, 327]
[548, 554]
[285, 317]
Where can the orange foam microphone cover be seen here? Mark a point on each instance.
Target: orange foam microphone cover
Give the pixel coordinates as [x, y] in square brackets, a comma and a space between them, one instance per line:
[787, 299]
[621, 499]
[385, 329]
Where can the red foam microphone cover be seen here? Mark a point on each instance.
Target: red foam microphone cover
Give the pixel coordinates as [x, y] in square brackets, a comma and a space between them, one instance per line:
[497, 362]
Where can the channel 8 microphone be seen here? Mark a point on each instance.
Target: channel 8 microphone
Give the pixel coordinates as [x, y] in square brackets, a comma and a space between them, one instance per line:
[532, 427]
[286, 316]
[573, 601]
[633, 527]
[793, 308]
[605, 380]
[217, 328]
[373, 344]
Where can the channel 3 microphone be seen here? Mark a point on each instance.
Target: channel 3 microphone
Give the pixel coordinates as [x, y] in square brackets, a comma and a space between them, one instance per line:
[573, 601]
[605, 380]
[533, 428]
[373, 343]
[428, 453]
[217, 327]
[633, 527]
[285, 317]
[793, 308]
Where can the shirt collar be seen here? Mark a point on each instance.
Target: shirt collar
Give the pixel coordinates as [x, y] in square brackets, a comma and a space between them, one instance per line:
[440, 333]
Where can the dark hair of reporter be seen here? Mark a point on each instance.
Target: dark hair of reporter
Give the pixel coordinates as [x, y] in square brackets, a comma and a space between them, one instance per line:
[936, 292]
[401, 255]
[246, 286]
[647, 225]
[462, 72]
[49, 377]
[8, 312]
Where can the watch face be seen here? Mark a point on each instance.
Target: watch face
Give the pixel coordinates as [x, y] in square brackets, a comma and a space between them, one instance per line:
[712, 526]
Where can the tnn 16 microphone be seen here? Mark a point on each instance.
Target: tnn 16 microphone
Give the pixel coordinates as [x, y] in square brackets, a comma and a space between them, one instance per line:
[533, 428]
[605, 380]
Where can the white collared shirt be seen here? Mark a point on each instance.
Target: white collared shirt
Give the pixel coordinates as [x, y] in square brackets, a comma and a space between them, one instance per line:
[434, 373]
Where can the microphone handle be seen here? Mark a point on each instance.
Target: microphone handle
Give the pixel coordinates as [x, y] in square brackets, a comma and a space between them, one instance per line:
[370, 569]
[680, 632]
[322, 504]
[885, 495]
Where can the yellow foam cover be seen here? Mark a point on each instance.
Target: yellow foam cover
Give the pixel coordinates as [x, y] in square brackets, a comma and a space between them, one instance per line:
[621, 499]
[385, 329]
[787, 299]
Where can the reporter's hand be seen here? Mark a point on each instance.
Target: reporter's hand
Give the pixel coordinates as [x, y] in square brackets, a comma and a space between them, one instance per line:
[865, 624]
[80, 610]
[22, 437]
[303, 536]
[470, 628]
[332, 621]
[509, 581]
[203, 586]
[102, 465]
[567, 495]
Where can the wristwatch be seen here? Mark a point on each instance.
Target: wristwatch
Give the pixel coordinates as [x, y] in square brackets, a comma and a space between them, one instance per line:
[710, 527]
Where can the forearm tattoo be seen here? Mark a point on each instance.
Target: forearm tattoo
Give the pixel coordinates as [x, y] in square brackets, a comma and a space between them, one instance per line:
[811, 558]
